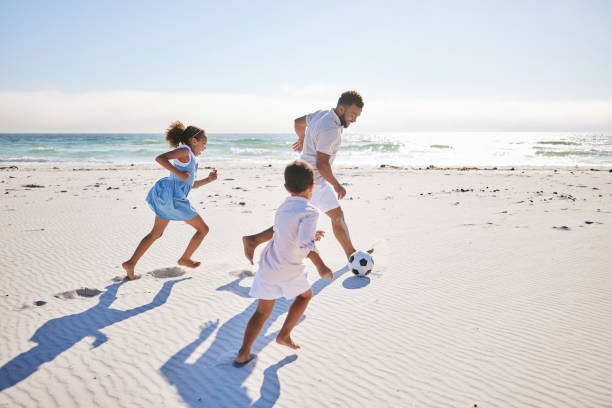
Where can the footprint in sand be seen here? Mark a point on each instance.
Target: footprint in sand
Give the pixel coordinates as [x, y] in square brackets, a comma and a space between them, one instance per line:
[243, 273]
[170, 272]
[76, 293]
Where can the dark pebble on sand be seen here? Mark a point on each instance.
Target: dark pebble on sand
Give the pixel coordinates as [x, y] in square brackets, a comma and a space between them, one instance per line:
[133, 208]
[242, 203]
[588, 222]
[563, 227]
[40, 303]
[33, 186]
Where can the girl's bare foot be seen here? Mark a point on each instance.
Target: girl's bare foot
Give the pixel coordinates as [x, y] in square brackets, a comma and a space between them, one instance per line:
[188, 263]
[249, 245]
[286, 341]
[129, 268]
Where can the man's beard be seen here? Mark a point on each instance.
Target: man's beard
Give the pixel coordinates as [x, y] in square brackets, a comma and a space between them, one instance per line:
[343, 121]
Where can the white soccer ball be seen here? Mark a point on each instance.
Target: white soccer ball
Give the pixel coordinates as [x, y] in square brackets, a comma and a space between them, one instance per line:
[361, 263]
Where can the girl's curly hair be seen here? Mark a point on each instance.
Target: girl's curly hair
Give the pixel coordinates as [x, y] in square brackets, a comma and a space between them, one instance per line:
[177, 133]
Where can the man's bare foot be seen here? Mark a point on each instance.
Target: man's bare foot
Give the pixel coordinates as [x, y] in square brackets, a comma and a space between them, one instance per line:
[188, 263]
[129, 268]
[249, 245]
[286, 341]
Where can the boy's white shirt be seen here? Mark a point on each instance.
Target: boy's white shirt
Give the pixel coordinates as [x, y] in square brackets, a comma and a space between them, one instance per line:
[295, 225]
[323, 134]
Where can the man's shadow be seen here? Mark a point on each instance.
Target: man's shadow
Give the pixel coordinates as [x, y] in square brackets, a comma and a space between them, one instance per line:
[58, 335]
[212, 380]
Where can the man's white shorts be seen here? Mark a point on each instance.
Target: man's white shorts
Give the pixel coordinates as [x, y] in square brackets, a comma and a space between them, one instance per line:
[288, 290]
[324, 197]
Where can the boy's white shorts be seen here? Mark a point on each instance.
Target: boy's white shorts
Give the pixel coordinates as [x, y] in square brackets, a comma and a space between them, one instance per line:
[288, 290]
[324, 197]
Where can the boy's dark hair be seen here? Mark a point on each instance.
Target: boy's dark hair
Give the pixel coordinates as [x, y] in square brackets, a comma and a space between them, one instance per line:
[349, 98]
[298, 176]
[177, 133]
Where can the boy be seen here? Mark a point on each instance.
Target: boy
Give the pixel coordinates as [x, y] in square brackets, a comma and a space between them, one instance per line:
[281, 268]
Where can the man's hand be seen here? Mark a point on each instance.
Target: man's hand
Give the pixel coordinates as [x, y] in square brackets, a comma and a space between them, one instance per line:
[340, 190]
[183, 175]
[298, 146]
[319, 234]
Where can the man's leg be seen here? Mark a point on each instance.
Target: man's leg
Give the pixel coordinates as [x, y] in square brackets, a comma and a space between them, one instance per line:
[250, 242]
[341, 230]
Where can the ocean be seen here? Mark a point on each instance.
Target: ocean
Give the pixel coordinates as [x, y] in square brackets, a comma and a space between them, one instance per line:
[402, 149]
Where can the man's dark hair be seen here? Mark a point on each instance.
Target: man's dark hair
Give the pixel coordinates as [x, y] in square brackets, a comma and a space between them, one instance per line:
[349, 98]
[298, 176]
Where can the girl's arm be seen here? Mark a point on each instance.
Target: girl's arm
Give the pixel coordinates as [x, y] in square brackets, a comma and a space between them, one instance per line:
[182, 155]
[212, 176]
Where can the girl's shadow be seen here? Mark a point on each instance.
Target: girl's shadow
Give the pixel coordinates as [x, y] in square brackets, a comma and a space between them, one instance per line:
[212, 380]
[58, 335]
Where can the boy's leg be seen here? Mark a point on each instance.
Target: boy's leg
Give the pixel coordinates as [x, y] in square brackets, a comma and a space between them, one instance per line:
[256, 322]
[158, 229]
[250, 242]
[295, 313]
[341, 230]
[201, 230]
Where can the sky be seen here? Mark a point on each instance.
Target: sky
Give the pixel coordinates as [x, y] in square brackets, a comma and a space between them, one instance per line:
[245, 66]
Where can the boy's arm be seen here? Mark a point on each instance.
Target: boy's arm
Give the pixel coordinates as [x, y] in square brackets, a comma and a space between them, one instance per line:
[325, 171]
[212, 176]
[300, 130]
[323, 270]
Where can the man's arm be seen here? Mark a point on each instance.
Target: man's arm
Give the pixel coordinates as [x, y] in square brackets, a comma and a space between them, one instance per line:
[300, 130]
[325, 171]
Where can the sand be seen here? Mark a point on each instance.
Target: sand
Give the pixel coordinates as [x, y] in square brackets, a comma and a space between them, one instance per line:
[491, 288]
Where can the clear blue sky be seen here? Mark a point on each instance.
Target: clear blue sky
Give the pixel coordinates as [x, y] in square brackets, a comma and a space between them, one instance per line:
[516, 50]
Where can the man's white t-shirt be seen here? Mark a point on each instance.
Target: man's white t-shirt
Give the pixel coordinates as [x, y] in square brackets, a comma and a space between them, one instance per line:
[323, 134]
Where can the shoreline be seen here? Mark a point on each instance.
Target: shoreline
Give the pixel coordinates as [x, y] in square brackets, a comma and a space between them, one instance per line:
[244, 165]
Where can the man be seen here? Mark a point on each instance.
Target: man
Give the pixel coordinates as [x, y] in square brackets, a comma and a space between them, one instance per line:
[319, 137]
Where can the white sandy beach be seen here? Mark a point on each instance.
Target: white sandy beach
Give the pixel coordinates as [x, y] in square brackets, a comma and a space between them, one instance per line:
[491, 288]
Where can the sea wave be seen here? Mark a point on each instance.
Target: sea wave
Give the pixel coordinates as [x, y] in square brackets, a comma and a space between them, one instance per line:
[559, 142]
[41, 149]
[373, 147]
[563, 153]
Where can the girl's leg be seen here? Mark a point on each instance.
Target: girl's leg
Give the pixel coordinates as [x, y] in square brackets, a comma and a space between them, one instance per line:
[295, 313]
[201, 230]
[256, 322]
[157, 231]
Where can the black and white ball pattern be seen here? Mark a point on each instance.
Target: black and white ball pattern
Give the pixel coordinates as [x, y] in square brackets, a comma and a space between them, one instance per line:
[361, 263]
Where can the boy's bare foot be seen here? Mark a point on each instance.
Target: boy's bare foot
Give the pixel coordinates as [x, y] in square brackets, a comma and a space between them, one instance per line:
[242, 359]
[286, 341]
[129, 268]
[249, 245]
[188, 263]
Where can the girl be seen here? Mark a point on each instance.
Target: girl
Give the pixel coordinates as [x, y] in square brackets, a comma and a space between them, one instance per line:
[168, 197]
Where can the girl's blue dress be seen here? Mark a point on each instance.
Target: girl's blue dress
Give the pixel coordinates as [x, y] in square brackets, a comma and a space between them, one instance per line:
[168, 197]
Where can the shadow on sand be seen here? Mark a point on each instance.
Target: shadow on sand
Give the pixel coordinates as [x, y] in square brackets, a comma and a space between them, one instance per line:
[58, 335]
[212, 380]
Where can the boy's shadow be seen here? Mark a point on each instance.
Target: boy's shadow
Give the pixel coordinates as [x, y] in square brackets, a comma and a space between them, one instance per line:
[212, 380]
[58, 335]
